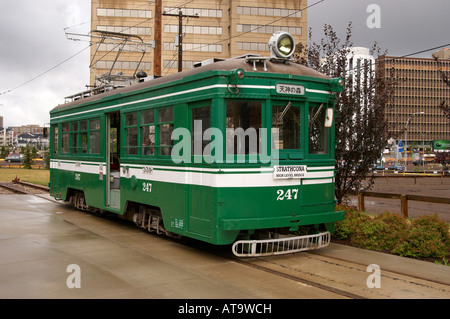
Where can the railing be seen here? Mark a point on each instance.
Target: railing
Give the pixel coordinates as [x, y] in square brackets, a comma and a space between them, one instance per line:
[286, 245]
[404, 198]
[414, 175]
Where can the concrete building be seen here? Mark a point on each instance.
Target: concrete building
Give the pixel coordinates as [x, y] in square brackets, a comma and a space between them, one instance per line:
[419, 89]
[357, 58]
[210, 29]
[30, 128]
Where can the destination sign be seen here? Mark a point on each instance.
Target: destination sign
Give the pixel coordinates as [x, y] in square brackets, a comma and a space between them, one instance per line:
[290, 89]
[289, 171]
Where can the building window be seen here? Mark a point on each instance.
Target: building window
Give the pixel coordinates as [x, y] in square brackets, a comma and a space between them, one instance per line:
[271, 12]
[173, 28]
[254, 28]
[125, 13]
[252, 46]
[212, 13]
[125, 29]
[197, 47]
[122, 65]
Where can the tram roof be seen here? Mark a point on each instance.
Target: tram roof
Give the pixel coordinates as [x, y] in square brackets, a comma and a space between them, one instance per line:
[227, 65]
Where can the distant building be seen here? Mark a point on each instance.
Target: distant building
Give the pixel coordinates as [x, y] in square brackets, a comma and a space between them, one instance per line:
[8, 138]
[33, 129]
[443, 54]
[420, 89]
[223, 29]
[357, 58]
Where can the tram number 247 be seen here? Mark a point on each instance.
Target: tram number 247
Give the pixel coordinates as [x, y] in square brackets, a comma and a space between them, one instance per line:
[147, 187]
[289, 194]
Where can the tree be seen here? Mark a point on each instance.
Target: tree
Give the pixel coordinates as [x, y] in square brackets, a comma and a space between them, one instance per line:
[27, 158]
[445, 75]
[360, 125]
[4, 152]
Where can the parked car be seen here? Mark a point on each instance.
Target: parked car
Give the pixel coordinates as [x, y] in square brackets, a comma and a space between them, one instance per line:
[396, 168]
[376, 167]
[14, 158]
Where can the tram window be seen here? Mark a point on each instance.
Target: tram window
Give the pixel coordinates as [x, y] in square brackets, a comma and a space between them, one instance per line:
[165, 123]
[55, 140]
[243, 117]
[84, 136]
[318, 133]
[286, 119]
[94, 136]
[131, 133]
[65, 138]
[74, 137]
[148, 132]
[200, 115]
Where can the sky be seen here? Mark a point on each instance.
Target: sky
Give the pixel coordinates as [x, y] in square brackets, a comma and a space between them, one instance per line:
[39, 65]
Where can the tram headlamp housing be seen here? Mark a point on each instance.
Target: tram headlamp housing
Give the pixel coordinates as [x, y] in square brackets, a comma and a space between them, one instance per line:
[337, 84]
[281, 45]
[236, 75]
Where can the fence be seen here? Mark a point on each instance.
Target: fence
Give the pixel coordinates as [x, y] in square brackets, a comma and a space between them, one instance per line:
[404, 198]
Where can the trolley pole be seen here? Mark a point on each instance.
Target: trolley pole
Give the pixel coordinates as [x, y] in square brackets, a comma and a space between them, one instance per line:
[180, 16]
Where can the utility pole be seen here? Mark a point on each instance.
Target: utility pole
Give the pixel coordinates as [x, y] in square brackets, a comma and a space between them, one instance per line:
[157, 48]
[180, 16]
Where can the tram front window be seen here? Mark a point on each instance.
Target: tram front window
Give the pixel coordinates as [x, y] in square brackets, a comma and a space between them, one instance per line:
[243, 124]
[318, 133]
[286, 119]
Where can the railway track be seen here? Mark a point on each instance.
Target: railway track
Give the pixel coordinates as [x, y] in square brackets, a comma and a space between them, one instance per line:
[19, 187]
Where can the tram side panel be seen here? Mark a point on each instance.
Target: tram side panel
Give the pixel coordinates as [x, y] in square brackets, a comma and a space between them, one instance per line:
[79, 173]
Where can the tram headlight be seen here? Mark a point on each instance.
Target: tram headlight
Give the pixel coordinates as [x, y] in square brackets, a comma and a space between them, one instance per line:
[337, 84]
[281, 45]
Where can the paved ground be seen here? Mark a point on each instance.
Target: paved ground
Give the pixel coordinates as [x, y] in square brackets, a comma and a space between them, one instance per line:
[426, 186]
[49, 250]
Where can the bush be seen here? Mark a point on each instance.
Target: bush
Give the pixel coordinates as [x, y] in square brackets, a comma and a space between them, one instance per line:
[427, 236]
[380, 233]
[345, 229]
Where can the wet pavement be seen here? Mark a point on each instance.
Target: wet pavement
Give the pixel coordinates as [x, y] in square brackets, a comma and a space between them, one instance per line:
[49, 250]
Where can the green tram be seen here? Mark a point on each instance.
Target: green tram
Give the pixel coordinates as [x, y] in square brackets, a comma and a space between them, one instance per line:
[237, 151]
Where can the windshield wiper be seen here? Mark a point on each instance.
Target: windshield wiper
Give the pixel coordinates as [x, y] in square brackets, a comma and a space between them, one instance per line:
[286, 108]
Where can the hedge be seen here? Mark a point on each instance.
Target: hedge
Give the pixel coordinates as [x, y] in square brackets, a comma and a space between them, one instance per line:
[424, 237]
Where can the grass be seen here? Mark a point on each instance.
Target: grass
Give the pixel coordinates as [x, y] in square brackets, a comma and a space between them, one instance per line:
[37, 176]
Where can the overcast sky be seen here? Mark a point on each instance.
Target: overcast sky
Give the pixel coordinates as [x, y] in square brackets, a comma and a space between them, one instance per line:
[33, 42]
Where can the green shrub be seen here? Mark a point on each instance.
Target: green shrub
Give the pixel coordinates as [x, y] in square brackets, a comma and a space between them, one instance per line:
[380, 233]
[345, 229]
[426, 236]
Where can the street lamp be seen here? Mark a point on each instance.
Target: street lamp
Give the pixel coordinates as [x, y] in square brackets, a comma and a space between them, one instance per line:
[406, 137]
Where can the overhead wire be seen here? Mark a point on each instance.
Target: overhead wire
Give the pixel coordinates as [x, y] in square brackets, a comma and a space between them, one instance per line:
[54, 67]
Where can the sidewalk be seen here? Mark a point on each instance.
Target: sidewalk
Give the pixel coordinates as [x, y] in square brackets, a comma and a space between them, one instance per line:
[401, 265]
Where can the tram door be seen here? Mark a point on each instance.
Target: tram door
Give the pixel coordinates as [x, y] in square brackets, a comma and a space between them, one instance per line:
[113, 160]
